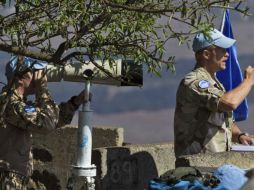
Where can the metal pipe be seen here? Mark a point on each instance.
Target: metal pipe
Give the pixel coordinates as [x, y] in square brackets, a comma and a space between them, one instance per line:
[84, 131]
[83, 167]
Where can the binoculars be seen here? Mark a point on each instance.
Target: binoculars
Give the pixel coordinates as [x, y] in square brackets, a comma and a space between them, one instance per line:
[118, 72]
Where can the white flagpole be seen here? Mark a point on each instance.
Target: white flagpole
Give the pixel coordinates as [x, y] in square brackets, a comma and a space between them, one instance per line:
[223, 21]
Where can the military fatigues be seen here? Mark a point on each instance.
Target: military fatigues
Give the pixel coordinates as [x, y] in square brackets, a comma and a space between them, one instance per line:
[198, 124]
[21, 119]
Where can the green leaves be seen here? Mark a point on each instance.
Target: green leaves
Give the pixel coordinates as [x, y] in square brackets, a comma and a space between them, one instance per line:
[130, 29]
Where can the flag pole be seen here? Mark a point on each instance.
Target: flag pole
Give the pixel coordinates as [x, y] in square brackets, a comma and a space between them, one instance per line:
[223, 20]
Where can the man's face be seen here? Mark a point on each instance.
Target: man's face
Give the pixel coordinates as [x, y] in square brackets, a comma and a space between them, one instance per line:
[218, 57]
[28, 83]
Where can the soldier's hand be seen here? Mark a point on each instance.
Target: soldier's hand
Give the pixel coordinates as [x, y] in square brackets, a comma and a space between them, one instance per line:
[40, 79]
[249, 74]
[246, 140]
[80, 99]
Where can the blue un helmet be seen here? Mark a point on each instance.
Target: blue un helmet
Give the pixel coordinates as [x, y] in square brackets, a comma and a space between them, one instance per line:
[29, 64]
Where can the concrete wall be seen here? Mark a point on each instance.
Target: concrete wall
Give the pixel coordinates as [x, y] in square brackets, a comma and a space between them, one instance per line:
[53, 155]
[56, 152]
[131, 167]
[243, 160]
[118, 167]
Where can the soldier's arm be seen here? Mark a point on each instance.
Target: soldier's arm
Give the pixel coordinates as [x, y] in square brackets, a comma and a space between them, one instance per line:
[40, 119]
[206, 94]
[66, 112]
[232, 99]
[67, 109]
[44, 116]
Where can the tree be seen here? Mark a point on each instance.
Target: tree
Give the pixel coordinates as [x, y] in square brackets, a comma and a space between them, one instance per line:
[60, 30]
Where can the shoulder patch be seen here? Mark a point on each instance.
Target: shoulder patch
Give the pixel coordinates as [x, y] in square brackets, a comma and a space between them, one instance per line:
[29, 109]
[204, 84]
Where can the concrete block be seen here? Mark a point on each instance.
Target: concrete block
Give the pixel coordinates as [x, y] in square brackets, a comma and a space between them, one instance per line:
[107, 136]
[118, 168]
[56, 152]
[53, 155]
[243, 160]
[131, 167]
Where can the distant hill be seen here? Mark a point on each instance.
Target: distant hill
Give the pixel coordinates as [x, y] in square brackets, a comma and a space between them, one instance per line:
[146, 113]
[157, 93]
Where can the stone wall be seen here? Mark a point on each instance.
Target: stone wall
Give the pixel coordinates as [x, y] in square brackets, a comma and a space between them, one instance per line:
[53, 156]
[118, 167]
[131, 167]
[243, 160]
[56, 152]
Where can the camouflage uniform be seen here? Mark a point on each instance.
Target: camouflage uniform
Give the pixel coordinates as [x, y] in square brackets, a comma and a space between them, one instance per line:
[21, 119]
[12, 181]
[198, 124]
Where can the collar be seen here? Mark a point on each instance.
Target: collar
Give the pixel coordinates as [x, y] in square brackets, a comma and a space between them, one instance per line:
[208, 76]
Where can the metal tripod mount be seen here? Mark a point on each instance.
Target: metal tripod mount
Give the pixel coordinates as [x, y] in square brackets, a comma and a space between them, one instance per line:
[83, 167]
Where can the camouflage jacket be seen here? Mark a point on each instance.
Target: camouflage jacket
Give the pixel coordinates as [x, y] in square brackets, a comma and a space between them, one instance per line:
[21, 119]
[198, 124]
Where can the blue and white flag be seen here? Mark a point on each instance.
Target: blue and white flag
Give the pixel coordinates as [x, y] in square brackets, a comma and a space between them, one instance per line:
[231, 77]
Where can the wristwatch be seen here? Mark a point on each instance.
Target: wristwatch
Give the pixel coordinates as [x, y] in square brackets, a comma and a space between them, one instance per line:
[242, 134]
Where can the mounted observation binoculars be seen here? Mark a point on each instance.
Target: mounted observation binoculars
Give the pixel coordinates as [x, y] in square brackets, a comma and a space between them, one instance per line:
[118, 73]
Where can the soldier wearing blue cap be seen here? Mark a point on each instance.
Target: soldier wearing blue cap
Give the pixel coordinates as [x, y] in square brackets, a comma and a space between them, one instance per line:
[21, 118]
[203, 115]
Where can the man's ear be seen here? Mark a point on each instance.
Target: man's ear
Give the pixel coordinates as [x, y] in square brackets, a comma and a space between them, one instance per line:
[206, 54]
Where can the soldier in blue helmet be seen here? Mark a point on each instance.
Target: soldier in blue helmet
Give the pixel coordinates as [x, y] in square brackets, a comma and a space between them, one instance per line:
[20, 118]
[203, 119]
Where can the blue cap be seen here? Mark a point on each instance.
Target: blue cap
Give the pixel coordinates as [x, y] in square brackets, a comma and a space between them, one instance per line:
[28, 63]
[230, 176]
[215, 38]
